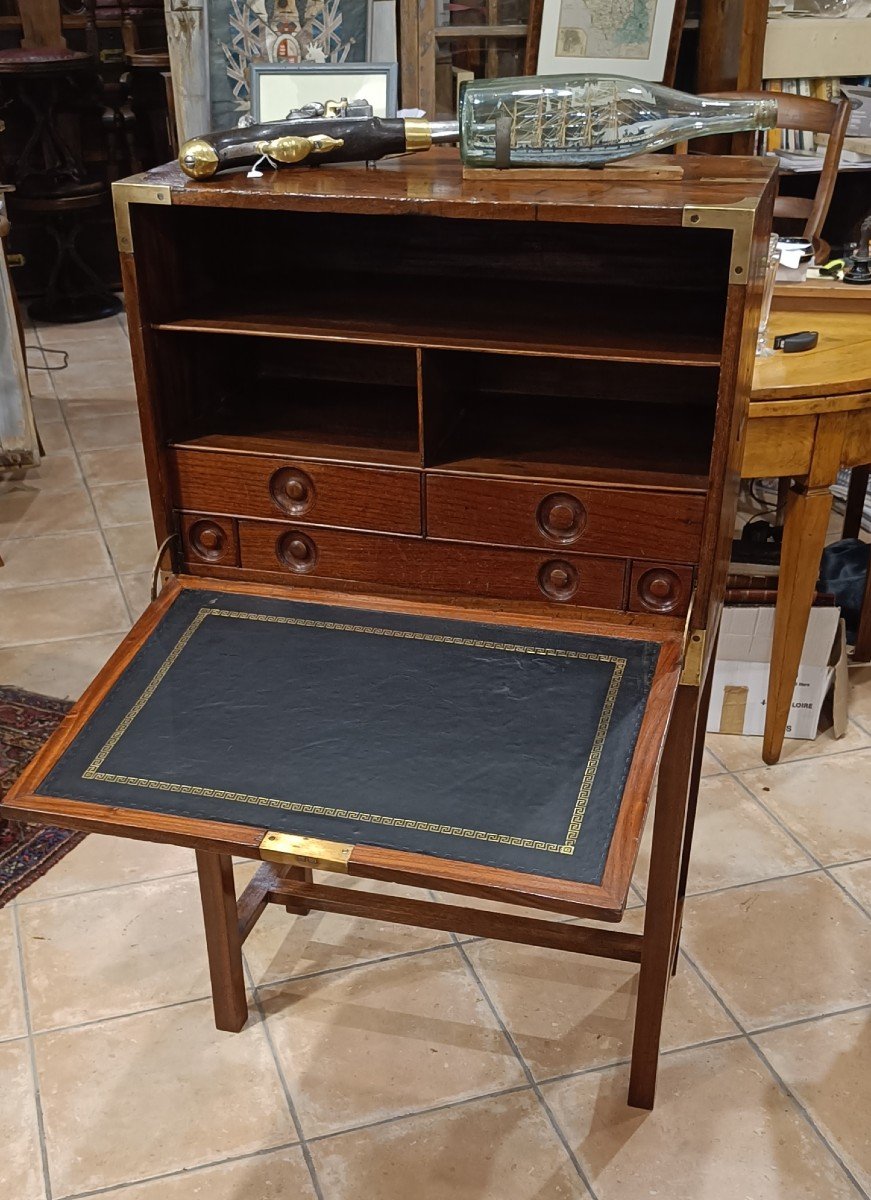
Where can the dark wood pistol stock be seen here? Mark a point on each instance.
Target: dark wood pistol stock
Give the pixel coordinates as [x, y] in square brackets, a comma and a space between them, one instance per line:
[311, 140]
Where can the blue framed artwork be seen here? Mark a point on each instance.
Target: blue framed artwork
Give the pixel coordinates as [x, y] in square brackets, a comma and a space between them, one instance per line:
[279, 31]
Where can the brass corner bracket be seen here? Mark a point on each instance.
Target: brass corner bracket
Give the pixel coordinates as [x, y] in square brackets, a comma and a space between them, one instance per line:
[296, 851]
[738, 217]
[137, 189]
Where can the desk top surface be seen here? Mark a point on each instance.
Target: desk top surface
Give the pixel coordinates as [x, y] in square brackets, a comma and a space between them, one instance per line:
[432, 183]
[839, 365]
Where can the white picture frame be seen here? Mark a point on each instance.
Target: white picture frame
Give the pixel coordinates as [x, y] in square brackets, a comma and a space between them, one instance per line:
[576, 39]
[278, 88]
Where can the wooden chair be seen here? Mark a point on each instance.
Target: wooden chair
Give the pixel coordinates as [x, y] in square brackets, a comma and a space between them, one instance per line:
[818, 116]
[140, 16]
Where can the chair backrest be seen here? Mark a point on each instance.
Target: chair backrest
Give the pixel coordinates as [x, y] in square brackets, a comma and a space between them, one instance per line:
[818, 116]
[41, 25]
[139, 15]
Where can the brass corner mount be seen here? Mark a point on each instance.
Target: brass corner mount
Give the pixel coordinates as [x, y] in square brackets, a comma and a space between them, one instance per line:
[739, 217]
[137, 189]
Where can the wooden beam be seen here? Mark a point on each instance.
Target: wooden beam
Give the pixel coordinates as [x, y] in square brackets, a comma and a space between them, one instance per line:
[455, 918]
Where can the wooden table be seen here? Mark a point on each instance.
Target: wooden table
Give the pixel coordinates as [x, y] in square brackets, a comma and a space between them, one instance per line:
[810, 414]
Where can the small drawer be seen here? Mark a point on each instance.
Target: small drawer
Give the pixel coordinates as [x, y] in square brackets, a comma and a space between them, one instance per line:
[598, 520]
[660, 588]
[208, 539]
[309, 553]
[253, 485]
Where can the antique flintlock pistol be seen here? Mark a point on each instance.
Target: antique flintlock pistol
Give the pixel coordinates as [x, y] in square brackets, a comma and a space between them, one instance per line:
[541, 121]
[336, 132]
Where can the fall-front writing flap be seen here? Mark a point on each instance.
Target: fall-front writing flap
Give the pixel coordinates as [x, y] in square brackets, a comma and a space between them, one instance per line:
[492, 744]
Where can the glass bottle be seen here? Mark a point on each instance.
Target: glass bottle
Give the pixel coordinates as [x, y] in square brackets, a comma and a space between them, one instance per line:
[579, 120]
[772, 262]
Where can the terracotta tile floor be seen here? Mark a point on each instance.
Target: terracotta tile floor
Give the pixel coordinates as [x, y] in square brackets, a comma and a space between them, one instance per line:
[384, 1063]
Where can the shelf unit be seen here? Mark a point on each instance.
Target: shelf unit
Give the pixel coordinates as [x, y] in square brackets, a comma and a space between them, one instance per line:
[508, 407]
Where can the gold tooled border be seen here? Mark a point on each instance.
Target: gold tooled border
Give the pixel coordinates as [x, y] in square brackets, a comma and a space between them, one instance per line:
[567, 847]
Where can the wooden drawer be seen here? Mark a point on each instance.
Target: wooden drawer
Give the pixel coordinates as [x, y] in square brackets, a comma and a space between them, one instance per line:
[310, 553]
[604, 520]
[253, 485]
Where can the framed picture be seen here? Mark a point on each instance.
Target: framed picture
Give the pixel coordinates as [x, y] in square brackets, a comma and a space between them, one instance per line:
[573, 37]
[310, 32]
[276, 88]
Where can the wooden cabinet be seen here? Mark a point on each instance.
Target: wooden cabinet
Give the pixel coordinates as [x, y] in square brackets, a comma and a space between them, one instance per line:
[517, 383]
[447, 472]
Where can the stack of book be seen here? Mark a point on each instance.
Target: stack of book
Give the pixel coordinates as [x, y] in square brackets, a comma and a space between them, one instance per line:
[800, 149]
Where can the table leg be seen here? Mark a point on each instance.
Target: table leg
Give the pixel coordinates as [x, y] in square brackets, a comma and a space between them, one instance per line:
[862, 649]
[855, 501]
[783, 486]
[804, 538]
[223, 940]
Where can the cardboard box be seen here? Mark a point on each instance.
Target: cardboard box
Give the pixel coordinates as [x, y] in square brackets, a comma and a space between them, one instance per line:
[740, 684]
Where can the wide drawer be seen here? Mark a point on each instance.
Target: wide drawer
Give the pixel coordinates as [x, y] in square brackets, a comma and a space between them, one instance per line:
[321, 554]
[645, 524]
[253, 485]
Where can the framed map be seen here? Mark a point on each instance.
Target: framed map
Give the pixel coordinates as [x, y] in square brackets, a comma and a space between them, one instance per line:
[623, 37]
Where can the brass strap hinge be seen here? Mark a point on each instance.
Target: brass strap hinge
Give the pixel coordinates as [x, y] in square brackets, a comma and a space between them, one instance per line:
[306, 852]
[739, 217]
[137, 189]
[693, 657]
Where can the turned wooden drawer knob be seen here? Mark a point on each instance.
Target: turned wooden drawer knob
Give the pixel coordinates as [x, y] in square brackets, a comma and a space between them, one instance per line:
[297, 551]
[292, 490]
[660, 590]
[558, 580]
[207, 540]
[561, 517]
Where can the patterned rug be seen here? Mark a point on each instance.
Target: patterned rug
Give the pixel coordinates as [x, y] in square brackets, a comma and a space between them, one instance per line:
[26, 851]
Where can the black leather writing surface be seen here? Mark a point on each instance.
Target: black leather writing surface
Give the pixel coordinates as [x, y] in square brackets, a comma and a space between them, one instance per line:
[484, 743]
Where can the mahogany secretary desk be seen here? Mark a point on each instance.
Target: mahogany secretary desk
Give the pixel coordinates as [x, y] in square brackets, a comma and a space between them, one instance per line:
[446, 472]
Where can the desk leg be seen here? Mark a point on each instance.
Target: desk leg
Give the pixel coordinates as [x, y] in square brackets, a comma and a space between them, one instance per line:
[693, 801]
[223, 940]
[663, 886]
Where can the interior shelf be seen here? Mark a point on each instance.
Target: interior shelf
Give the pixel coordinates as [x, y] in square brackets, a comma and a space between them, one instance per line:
[659, 446]
[344, 403]
[394, 449]
[636, 425]
[508, 323]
